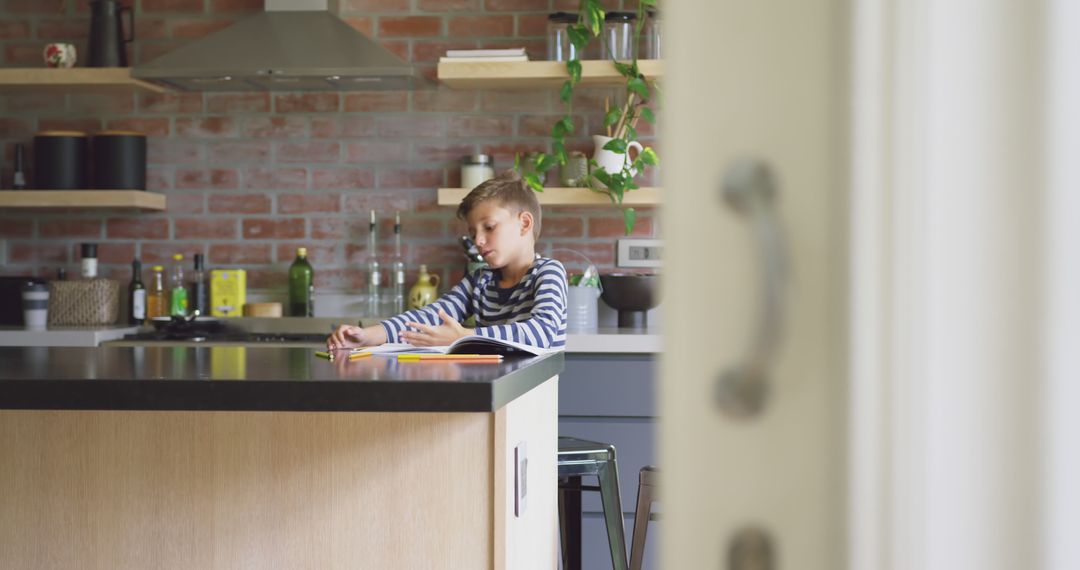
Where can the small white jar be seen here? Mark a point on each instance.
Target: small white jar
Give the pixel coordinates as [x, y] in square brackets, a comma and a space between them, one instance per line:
[475, 169]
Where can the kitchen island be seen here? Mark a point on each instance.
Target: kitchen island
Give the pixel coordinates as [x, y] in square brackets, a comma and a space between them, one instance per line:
[226, 457]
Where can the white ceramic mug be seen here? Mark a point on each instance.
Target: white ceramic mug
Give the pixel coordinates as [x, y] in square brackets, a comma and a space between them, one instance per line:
[59, 55]
[613, 162]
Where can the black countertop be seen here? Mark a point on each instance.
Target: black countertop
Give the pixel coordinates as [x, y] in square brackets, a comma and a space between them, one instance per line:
[256, 379]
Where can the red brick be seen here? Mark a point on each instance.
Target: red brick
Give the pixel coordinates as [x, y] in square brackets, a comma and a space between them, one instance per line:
[161, 254]
[411, 126]
[204, 228]
[376, 101]
[198, 28]
[540, 125]
[231, 151]
[150, 28]
[67, 30]
[278, 228]
[239, 204]
[159, 179]
[205, 127]
[351, 279]
[236, 5]
[364, 25]
[88, 126]
[267, 278]
[562, 227]
[185, 203]
[515, 5]
[375, 5]
[307, 102]
[504, 153]
[32, 102]
[480, 126]
[14, 30]
[536, 49]
[15, 128]
[275, 178]
[435, 254]
[480, 26]
[601, 254]
[22, 252]
[166, 151]
[23, 54]
[171, 102]
[442, 152]
[409, 26]
[449, 5]
[430, 51]
[147, 126]
[10, 228]
[137, 228]
[238, 102]
[325, 127]
[240, 254]
[70, 229]
[360, 203]
[342, 179]
[308, 203]
[207, 178]
[275, 127]
[100, 103]
[337, 228]
[515, 101]
[172, 6]
[35, 6]
[445, 100]
[532, 25]
[413, 228]
[376, 152]
[318, 255]
[309, 152]
[399, 48]
[117, 253]
[611, 225]
[412, 178]
[149, 51]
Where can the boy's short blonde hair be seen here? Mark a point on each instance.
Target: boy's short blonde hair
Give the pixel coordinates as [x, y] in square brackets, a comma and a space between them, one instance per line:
[510, 191]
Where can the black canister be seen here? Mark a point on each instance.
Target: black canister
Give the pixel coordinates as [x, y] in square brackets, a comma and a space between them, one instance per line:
[60, 160]
[119, 160]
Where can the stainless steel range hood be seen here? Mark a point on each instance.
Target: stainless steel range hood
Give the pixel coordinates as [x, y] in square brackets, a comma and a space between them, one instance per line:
[288, 47]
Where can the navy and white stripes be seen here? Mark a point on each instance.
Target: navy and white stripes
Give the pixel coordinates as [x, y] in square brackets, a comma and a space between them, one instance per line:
[533, 312]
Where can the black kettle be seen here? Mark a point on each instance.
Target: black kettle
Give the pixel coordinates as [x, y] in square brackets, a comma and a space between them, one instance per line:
[106, 46]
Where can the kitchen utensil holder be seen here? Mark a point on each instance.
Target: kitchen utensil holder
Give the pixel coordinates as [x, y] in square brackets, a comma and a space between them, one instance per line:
[85, 302]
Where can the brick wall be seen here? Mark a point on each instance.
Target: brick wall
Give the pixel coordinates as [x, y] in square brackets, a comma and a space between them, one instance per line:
[251, 176]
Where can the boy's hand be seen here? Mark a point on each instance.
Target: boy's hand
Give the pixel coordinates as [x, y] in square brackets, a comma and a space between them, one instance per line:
[441, 335]
[346, 336]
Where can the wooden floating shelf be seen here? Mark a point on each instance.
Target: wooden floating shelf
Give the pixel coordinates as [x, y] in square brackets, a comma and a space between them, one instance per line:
[642, 197]
[73, 80]
[82, 199]
[536, 74]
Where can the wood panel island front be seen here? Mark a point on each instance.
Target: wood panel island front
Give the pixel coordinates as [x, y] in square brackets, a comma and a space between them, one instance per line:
[230, 457]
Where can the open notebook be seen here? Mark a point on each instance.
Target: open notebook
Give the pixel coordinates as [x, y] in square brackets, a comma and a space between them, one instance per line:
[471, 344]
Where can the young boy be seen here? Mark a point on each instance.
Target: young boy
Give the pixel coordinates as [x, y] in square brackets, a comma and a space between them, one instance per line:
[520, 296]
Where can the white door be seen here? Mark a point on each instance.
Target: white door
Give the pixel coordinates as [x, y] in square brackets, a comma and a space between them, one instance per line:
[909, 363]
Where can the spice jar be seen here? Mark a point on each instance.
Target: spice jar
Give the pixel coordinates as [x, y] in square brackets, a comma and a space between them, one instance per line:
[559, 46]
[475, 169]
[619, 31]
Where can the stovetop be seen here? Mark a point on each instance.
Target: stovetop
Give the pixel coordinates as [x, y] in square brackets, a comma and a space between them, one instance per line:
[226, 336]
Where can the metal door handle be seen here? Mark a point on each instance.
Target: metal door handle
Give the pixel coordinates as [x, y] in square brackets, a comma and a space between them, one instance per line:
[749, 189]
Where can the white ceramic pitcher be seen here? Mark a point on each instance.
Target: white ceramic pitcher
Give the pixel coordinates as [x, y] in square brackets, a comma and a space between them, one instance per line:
[613, 162]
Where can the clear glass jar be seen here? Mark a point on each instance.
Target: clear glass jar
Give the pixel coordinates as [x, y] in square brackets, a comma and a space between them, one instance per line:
[475, 169]
[619, 35]
[559, 46]
[652, 36]
[528, 166]
[576, 170]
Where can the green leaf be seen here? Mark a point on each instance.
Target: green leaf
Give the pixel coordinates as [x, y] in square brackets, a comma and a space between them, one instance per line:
[647, 114]
[631, 133]
[648, 156]
[624, 69]
[596, 17]
[647, 2]
[573, 67]
[602, 175]
[568, 125]
[517, 161]
[579, 37]
[567, 91]
[629, 217]
[617, 146]
[638, 85]
[612, 117]
[533, 180]
[545, 162]
[559, 150]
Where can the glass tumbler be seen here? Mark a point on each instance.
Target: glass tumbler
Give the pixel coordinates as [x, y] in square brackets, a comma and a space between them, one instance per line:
[619, 35]
[652, 36]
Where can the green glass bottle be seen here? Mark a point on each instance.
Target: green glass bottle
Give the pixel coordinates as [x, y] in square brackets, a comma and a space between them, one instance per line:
[301, 286]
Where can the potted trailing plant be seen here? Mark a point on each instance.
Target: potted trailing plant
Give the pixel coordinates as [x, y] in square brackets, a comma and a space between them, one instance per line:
[611, 170]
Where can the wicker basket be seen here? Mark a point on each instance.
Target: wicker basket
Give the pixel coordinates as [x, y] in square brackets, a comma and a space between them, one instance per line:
[86, 302]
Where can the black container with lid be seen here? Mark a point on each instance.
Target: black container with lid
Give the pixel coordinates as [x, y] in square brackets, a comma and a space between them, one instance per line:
[60, 160]
[119, 160]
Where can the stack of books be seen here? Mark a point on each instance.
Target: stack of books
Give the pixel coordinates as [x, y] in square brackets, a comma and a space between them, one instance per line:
[474, 55]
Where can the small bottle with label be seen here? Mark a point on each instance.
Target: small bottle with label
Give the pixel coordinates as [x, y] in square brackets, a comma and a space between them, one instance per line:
[178, 298]
[89, 260]
[136, 295]
[157, 298]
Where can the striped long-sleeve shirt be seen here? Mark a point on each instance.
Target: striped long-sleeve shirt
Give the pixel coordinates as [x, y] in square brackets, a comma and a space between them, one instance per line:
[532, 312]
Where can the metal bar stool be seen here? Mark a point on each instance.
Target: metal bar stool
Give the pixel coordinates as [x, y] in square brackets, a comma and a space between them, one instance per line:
[578, 458]
[646, 495]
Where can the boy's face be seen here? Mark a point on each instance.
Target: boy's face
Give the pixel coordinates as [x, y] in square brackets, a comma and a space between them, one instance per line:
[500, 234]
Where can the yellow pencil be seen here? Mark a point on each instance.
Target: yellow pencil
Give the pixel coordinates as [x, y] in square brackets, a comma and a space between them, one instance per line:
[359, 355]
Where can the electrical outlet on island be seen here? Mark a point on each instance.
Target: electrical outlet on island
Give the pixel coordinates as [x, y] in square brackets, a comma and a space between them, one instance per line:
[638, 252]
